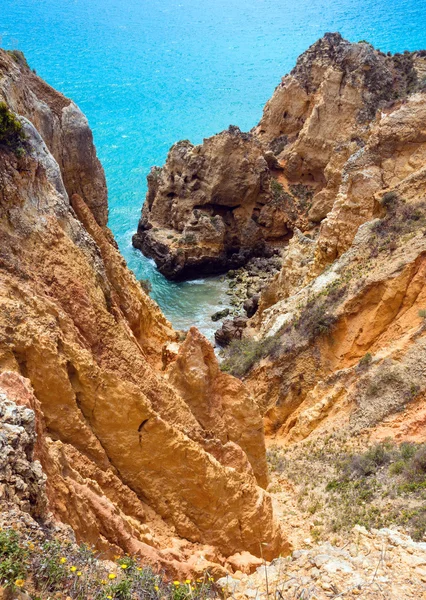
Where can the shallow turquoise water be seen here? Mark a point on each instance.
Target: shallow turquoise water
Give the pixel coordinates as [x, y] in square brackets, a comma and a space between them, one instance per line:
[150, 72]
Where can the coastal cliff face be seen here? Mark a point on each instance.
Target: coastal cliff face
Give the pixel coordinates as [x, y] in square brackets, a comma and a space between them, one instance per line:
[63, 128]
[198, 216]
[144, 443]
[339, 329]
[212, 207]
[146, 447]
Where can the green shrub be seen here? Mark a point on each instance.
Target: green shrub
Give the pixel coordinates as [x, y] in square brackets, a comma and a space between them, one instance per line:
[407, 450]
[365, 360]
[389, 200]
[315, 319]
[189, 238]
[51, 570]
[242, 354]
[42, 569]
[397, 468]
[18, 57]
[416, 467]
[12, 558]
[276, 188]
[11, 132]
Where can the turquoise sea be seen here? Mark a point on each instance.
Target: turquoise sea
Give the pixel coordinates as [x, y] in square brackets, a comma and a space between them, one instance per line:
[150, 72]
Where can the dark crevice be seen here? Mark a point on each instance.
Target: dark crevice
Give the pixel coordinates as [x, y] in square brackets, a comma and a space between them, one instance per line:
[141, 426]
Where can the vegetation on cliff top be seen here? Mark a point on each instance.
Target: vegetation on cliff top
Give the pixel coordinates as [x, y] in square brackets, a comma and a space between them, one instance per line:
[19, 57]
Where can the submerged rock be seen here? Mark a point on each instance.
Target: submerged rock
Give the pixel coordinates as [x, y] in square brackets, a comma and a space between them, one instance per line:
[220, 314]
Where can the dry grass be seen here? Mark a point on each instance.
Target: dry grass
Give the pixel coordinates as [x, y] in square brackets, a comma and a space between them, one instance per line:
[340, 484]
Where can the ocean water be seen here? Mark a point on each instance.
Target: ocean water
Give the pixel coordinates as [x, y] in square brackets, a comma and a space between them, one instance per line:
[150, 72]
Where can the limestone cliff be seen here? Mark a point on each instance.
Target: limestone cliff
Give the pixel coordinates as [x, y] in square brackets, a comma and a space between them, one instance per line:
[211, 207]
[62, 126]
[161, 463]
[341, 329]
[199, 212]
[344, 147]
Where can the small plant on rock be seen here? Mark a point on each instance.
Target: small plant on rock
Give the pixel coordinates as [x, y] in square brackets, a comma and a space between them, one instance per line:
[365, 361]
[11, 132]
[146, 285]
[12, 559]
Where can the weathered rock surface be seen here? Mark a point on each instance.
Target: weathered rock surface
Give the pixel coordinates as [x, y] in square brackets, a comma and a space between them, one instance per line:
[377, 564]
[321, 112]
[392, 159]
[133, 459]
[64, 130]
[231, 329]
[201, 210]
[221, 405]
[369, 301]
[22, 481]
[349, 122]
[213, 206]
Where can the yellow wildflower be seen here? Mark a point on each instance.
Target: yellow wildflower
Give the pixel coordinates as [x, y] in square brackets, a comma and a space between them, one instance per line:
[78, 573]
[103, 582]
[139, 569]
[156, 588]
[31, 546]
[109, 597]
[187, 581]
[63, 560]
[19, 582]
[211, 579]
[123, 566]
[73, 569]
[116, 557]
[176, 583]
[112, 575]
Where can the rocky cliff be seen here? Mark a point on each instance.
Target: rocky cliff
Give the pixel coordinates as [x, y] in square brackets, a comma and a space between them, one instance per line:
[147, 444]
[146, 447]
[211, 207]
[199, 209]
[337, 332]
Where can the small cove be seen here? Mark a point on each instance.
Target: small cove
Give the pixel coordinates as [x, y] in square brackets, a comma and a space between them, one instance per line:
[148, 73]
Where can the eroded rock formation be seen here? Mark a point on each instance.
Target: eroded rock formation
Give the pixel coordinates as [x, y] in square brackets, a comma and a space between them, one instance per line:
[338, 328]
[202, 207]
[62, 126]
[134, 458]
[22, 481]
[213, 206]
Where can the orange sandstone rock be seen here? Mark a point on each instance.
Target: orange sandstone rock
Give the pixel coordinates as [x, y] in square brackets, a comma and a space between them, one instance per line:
[130, 460]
